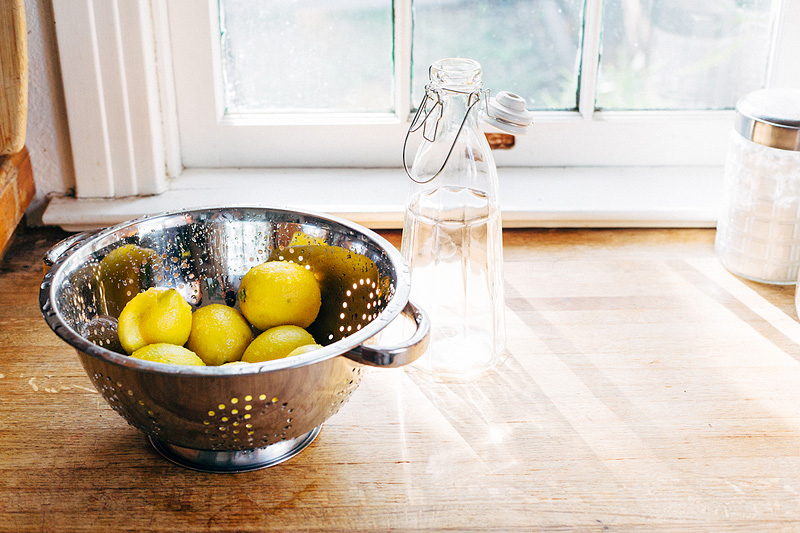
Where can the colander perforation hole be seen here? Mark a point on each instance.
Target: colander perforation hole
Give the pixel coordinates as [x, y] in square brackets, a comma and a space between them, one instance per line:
[230, 423]
[123, 401]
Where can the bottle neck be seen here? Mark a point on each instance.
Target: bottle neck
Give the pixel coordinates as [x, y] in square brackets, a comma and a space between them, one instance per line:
[457, 106]
[453, 146]
[461, 98]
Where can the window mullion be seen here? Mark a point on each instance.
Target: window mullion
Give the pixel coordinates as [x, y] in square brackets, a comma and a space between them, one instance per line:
[403, 25]
[590, 57]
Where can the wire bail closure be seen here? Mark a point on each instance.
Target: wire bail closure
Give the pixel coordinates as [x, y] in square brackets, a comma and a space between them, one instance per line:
[416, 124]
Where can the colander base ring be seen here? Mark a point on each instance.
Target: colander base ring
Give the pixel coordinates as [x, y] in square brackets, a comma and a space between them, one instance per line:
[235, 461]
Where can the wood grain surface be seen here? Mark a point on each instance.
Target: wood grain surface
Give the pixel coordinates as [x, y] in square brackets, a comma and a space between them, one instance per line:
[643, 388]
[13, 76]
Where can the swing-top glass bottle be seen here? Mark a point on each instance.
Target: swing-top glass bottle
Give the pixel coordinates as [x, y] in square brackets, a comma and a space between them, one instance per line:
[452, 238]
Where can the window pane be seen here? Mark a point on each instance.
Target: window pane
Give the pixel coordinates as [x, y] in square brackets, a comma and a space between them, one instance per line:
[682, 54]
[529, 48]
[307, 56]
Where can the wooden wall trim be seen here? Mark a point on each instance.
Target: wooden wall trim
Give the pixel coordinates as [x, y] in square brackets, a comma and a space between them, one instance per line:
[16, 192]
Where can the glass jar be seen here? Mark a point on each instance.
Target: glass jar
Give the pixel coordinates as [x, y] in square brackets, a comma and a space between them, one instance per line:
[758, 229]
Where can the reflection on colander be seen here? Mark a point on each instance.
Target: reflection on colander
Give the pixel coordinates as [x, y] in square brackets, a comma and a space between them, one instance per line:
[237, 417]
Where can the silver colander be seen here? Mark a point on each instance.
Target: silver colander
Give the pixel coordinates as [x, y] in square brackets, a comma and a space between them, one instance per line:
[237, 417]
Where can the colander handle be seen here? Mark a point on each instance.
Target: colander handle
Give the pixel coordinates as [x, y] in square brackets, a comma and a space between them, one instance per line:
[62, 247]
[400, 354]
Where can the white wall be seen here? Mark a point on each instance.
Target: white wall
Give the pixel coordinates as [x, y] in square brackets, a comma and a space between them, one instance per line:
[47, 136]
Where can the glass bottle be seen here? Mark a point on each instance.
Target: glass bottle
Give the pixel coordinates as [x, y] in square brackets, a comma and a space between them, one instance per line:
[452, 237]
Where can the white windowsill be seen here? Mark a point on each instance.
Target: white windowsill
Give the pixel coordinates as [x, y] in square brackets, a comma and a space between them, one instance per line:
[529, 197]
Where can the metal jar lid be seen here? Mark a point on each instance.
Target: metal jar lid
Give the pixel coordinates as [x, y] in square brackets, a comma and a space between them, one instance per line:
[770, 117]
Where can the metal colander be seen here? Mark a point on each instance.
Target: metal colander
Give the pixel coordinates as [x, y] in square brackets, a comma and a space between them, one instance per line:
[234, 417]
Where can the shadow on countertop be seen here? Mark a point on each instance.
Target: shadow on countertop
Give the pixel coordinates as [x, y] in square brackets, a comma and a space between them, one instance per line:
[27, 247]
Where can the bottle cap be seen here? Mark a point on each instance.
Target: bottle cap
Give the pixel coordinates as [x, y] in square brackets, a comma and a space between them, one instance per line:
[508, 112]
[770, 117]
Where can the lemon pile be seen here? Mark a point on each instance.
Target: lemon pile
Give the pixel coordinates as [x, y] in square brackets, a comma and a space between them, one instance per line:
[277, 299]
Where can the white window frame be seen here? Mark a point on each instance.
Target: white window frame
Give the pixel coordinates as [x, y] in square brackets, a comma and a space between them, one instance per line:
[142, 85]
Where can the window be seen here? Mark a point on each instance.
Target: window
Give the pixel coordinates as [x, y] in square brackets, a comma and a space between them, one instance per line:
[683, 55]
[194, 86]
[325, 56]
[296, 70]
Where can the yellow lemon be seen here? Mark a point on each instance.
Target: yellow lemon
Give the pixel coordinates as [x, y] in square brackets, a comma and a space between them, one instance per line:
[353, 292]
[303, 239]
[304, 349]
[168, 353]
[276, 343]
[124, 273]
[219, 334]
[279, 293]
[153, 316]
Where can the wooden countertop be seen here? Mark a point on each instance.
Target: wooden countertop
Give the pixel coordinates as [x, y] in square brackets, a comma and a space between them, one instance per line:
[644, 387]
